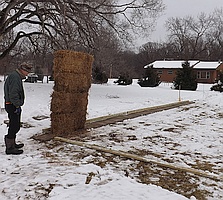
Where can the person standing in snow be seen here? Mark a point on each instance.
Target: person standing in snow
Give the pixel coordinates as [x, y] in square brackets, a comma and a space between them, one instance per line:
[14, 98]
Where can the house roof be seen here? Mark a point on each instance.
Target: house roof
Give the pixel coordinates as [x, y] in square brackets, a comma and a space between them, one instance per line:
[207, 65]
[170, 63]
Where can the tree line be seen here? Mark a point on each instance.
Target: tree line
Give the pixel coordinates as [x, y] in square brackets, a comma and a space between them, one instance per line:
[33, 29]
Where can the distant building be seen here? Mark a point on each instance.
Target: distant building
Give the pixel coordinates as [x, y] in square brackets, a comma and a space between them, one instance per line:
[206, 72]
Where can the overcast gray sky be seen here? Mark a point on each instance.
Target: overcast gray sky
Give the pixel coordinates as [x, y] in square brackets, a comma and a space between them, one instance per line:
[181, 8]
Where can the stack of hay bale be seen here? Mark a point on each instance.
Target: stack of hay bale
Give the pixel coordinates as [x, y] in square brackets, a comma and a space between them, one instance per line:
[72, 80]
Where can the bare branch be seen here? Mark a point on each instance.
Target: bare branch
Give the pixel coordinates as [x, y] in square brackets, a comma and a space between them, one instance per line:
[85, 17]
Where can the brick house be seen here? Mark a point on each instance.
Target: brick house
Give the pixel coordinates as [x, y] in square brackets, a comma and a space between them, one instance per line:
[206, 72]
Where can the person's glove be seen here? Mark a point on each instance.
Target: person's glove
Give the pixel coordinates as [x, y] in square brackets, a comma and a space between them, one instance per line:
[18, 110]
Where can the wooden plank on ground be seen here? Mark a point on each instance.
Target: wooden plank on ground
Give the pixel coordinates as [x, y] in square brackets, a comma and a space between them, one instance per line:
[119, 117]
[139, 158]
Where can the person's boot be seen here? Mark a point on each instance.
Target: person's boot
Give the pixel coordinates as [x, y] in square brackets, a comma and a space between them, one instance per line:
[18, 146]
[10, 147]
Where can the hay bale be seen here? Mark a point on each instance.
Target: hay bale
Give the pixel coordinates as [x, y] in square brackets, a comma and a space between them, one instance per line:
[63, 102]
[72, 79]
[64, 124]
[73, 62]
[71, 82]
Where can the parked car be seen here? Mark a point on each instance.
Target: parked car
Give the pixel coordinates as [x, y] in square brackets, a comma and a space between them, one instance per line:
[31, 78]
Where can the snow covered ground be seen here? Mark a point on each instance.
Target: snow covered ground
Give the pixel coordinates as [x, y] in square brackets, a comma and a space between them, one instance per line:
[188, 136]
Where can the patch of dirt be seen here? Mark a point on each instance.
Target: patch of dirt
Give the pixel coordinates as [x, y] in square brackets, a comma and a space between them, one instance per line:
[173, 180]
[40, 117]
[22, 124]
[177, 181]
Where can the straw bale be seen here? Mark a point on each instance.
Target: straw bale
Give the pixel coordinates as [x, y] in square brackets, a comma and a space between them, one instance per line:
[71, 82]
[72, 79]
[72, 61]
[66, 123]
[63, 102]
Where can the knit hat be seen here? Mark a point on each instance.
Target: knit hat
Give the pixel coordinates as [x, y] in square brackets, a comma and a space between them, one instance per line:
[26, 67]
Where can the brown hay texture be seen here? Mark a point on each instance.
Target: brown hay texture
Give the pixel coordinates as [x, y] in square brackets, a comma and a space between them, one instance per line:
[72, 80]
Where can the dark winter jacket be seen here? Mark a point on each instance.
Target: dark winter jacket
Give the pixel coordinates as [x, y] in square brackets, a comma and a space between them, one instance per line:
[13, 89]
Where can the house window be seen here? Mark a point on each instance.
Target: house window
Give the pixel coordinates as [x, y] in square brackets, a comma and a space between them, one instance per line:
[170, 72]
[159, 72]
[203, 75]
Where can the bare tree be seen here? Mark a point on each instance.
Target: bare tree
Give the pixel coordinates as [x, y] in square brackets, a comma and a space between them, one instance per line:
[152, 51]
[106, 51]
[189, 36]
[215, 36]
[72, 20]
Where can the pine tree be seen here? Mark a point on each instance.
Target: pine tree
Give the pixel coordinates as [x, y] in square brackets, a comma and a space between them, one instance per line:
[99, 76]
[185, 78]
[124, 79]
[150, 79]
